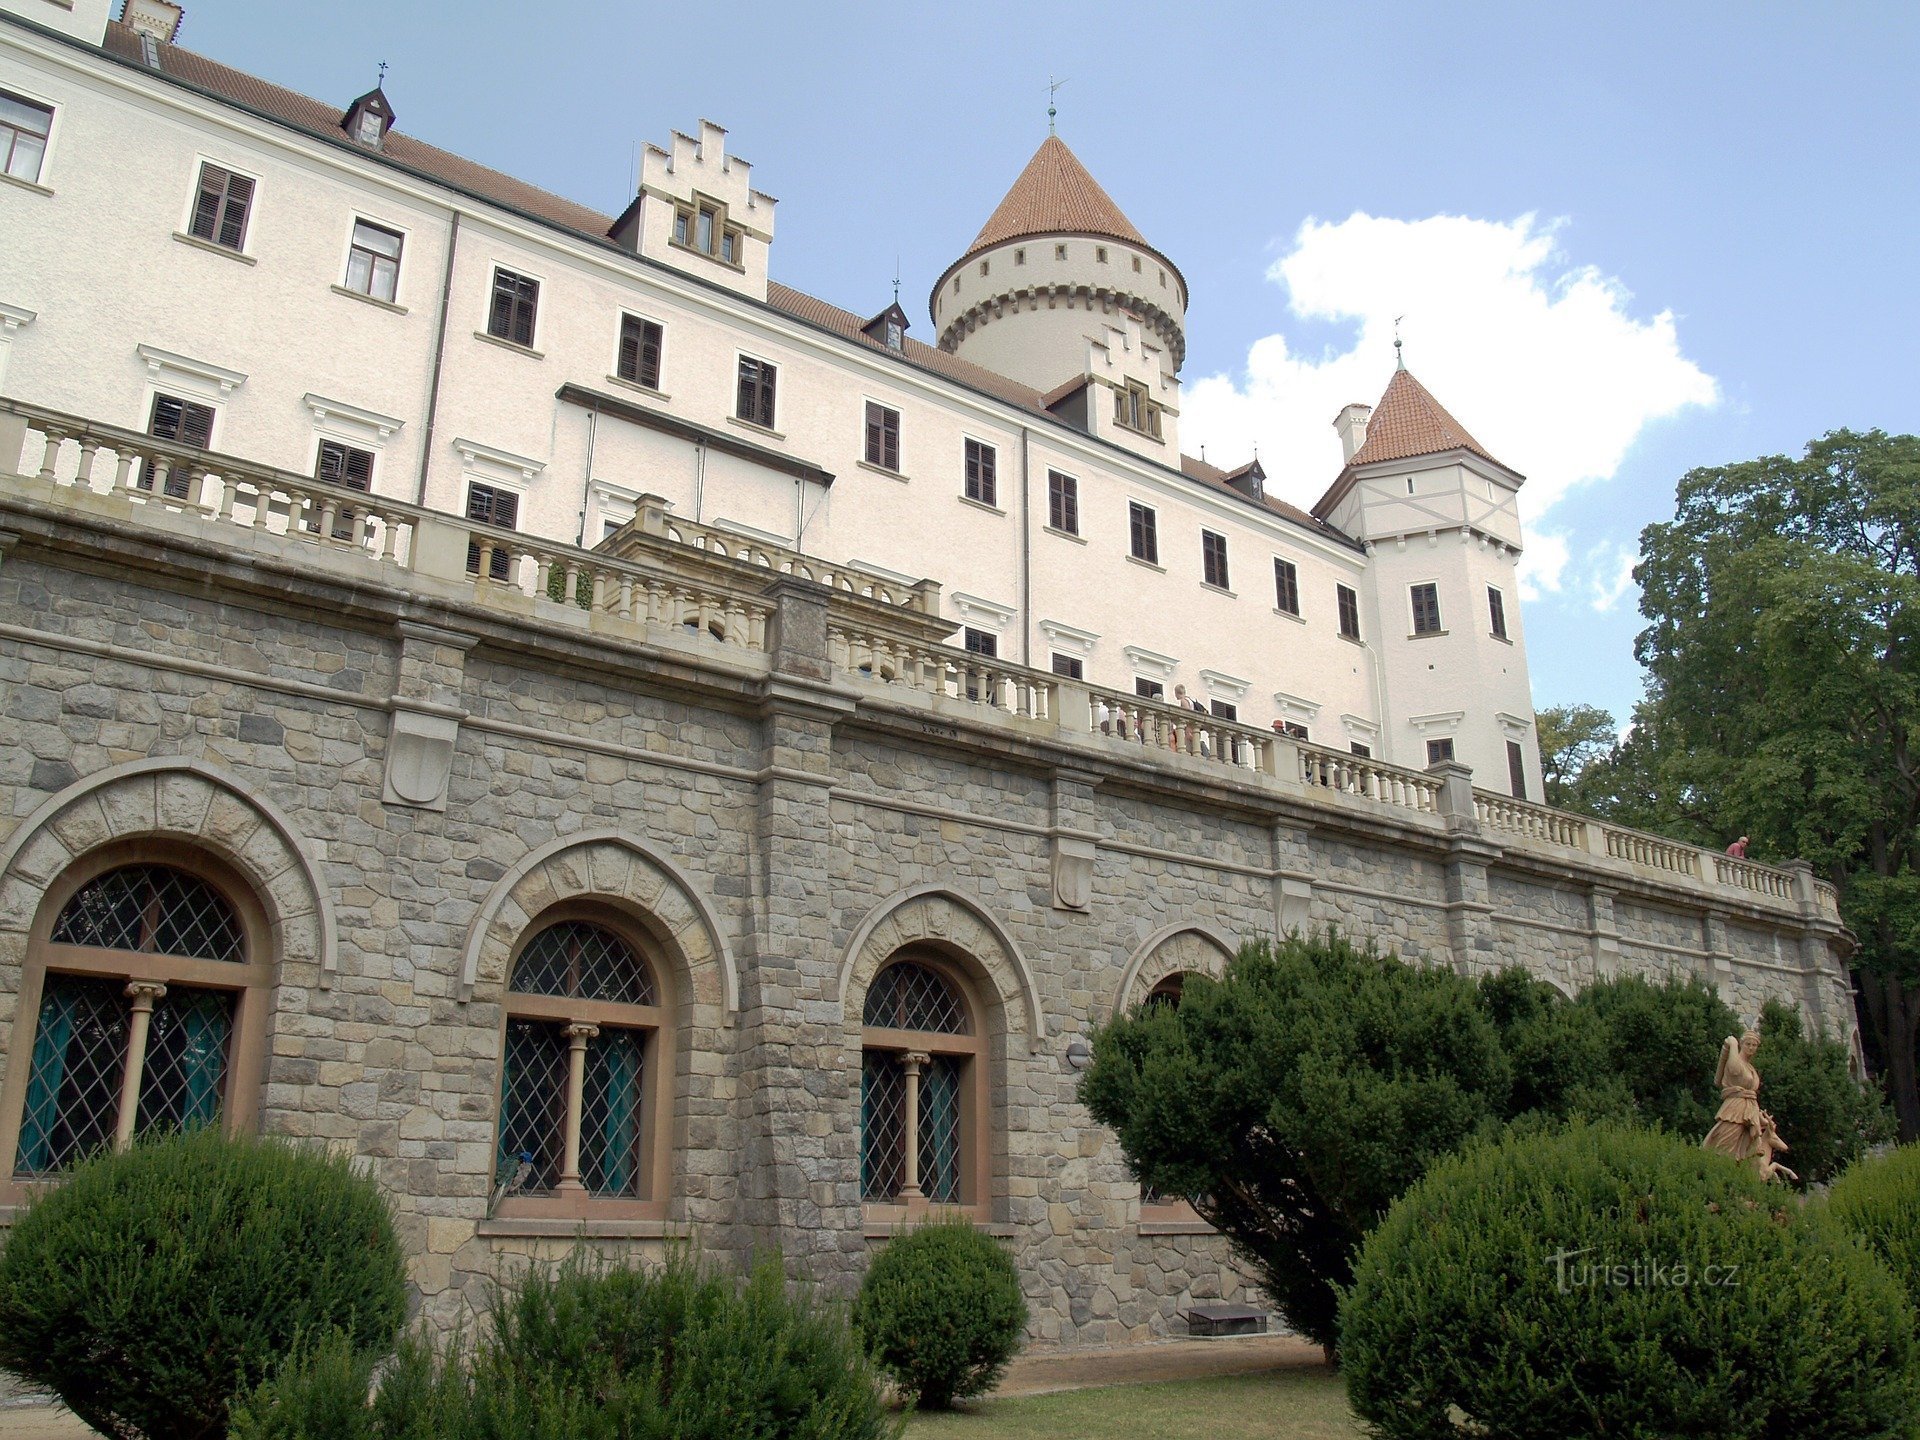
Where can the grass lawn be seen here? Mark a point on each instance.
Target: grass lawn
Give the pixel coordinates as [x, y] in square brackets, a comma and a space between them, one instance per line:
[1276, 1405]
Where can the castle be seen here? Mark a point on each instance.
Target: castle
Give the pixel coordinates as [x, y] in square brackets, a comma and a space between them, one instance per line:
[631, 750]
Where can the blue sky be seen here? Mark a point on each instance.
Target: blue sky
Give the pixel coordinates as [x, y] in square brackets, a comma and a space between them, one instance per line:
[1628, 240]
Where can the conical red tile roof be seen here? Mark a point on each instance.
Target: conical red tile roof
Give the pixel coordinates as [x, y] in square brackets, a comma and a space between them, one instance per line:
[1407, 422]
[1054, 195]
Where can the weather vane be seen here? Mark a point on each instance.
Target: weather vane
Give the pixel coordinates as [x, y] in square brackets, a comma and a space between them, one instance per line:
[896, 279]
[381, 82]
[1053, 90]
[1399, 363]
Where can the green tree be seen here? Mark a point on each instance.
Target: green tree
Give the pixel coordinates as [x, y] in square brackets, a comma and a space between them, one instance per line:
[1296, 1098]
[1572, 738]
[1783, 603]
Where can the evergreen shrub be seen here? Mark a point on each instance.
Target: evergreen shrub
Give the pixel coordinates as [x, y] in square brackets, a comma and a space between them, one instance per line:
[1878, 1200]
[148, 1288]
[942, 1311]
[1612, 1281]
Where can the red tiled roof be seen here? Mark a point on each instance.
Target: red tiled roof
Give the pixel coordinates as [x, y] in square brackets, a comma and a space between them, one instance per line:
[1220, 479]
[1075, 195]
[1054, 195]
[1407, 422]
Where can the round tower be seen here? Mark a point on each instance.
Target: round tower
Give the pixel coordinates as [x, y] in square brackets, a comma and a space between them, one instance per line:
[1056, 253]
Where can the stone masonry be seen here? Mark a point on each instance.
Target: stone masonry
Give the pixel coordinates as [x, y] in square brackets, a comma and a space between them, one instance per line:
[407, 769]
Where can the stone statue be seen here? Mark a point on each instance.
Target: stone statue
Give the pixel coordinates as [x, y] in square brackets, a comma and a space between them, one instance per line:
[1742, 1129]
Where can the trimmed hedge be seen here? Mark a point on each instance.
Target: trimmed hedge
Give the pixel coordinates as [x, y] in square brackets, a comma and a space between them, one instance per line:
[942, 1311]
[1878, 1199]
[591, 1352]
[148, 1288]
[1609, 1281]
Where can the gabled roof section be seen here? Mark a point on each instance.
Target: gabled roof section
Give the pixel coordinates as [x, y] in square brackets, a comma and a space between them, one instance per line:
[1214, 476]
[1407, 422]
[1054, 195]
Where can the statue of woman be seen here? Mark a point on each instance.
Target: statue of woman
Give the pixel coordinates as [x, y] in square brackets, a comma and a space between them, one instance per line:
[1742, 1129]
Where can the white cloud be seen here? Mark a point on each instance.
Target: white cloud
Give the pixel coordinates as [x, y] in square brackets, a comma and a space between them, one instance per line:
[1539, 358]
[1543, 564]
[1610, 568]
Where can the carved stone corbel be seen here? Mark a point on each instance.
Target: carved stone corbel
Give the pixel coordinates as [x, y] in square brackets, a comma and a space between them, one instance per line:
[1073, 857]
[420, 746]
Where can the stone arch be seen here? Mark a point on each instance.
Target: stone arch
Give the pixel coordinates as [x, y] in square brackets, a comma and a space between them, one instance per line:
[1198, 948]
[182, 800]
[943, 918]
[609, 866]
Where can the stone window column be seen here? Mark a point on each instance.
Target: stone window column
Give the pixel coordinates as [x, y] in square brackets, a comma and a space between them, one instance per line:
[577, 1037]
[913, 1062]
[142, 993]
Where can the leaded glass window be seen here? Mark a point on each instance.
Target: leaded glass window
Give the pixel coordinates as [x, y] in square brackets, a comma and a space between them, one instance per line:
[154, 910]
[915, 1090]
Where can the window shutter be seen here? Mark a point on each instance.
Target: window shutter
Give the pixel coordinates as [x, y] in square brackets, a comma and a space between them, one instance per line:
[629, 361]
[196, 426]
[523, 312]
[206, 206]
[650, 338]
[233, 217]
[876, 441]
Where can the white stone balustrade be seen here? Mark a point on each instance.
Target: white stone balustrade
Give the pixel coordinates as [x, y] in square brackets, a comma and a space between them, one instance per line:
[1160, 726]
[1370, 779]
[877, 656]
[1536, 822]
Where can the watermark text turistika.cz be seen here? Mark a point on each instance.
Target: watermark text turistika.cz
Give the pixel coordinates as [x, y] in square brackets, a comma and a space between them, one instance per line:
[1573, 1272]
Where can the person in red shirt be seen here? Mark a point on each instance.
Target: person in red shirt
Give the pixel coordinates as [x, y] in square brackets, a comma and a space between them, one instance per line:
[1738, 849]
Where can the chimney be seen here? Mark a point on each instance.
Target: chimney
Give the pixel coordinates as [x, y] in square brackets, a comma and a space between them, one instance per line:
[158, 18]
[1351, 426]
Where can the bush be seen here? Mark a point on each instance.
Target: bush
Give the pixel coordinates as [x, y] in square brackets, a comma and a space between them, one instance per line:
[149, 1287]
[1661, 1041]
[1296, 1098]
[1609, 1281]
[942, 1312]
[1879, 1201]
[1827, 1116]
[590, 1352]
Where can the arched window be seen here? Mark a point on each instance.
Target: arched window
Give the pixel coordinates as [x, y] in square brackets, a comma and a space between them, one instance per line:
[579, 1085]
[921, 1090]
[143, 976]
[1167, 1213]
[1167, 992]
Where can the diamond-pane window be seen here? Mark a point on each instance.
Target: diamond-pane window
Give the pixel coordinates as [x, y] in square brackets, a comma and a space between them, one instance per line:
[883, 1126]
[153, 910]
[580, 961]
[940, 1129]
[73, 1085]
[186, 1064]
[906, 996]
[610, 1114]
[533, 1103]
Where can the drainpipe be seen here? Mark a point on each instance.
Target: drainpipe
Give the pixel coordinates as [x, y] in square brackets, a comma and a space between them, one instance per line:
[439, 352]
[1026, 557]
[586, 488]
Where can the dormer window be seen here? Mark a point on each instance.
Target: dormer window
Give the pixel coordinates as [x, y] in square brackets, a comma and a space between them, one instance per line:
[896, 336]
[1134, 408]
[703, 226]
[889, 327]
[368, 119]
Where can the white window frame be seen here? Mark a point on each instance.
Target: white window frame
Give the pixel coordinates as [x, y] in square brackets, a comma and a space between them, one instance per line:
[358, 217]
[494, 265]
[33, 97]
[185, 228]
[620, 317]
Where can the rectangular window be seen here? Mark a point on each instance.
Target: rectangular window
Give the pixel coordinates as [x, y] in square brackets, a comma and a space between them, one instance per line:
[1071, 666]
[345, 465]
[754, 402]
[981, 482]
[640, 345]
[516, 298]
[490, 506]
[373, 262]
[1223, 710]
[1349, 611]
[1143, 533]
[883, 436]
[1517, 769]
[1148, 689]
[703, 231]
[186, 423]
[1365, 752]
[1134, 408]
[1426, 609]
[1063, 502]
[1213, 558]
[1292, 729]
[1497, 613]
[24, 128]
[730, 246]
[1286, 586]
[1438, 750]
[220, 207]
[681, 220]
[981, 642]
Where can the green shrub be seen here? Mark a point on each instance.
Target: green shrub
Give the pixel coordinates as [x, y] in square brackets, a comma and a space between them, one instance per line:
[1878, 1199]
[1661, 1041]
[148, 1288]
[591, 1352]
[1609, 1281]
[942, 1311]
[1827, 1116]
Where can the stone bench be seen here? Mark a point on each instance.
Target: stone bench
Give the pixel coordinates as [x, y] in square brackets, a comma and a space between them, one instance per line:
[1218, 1319]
